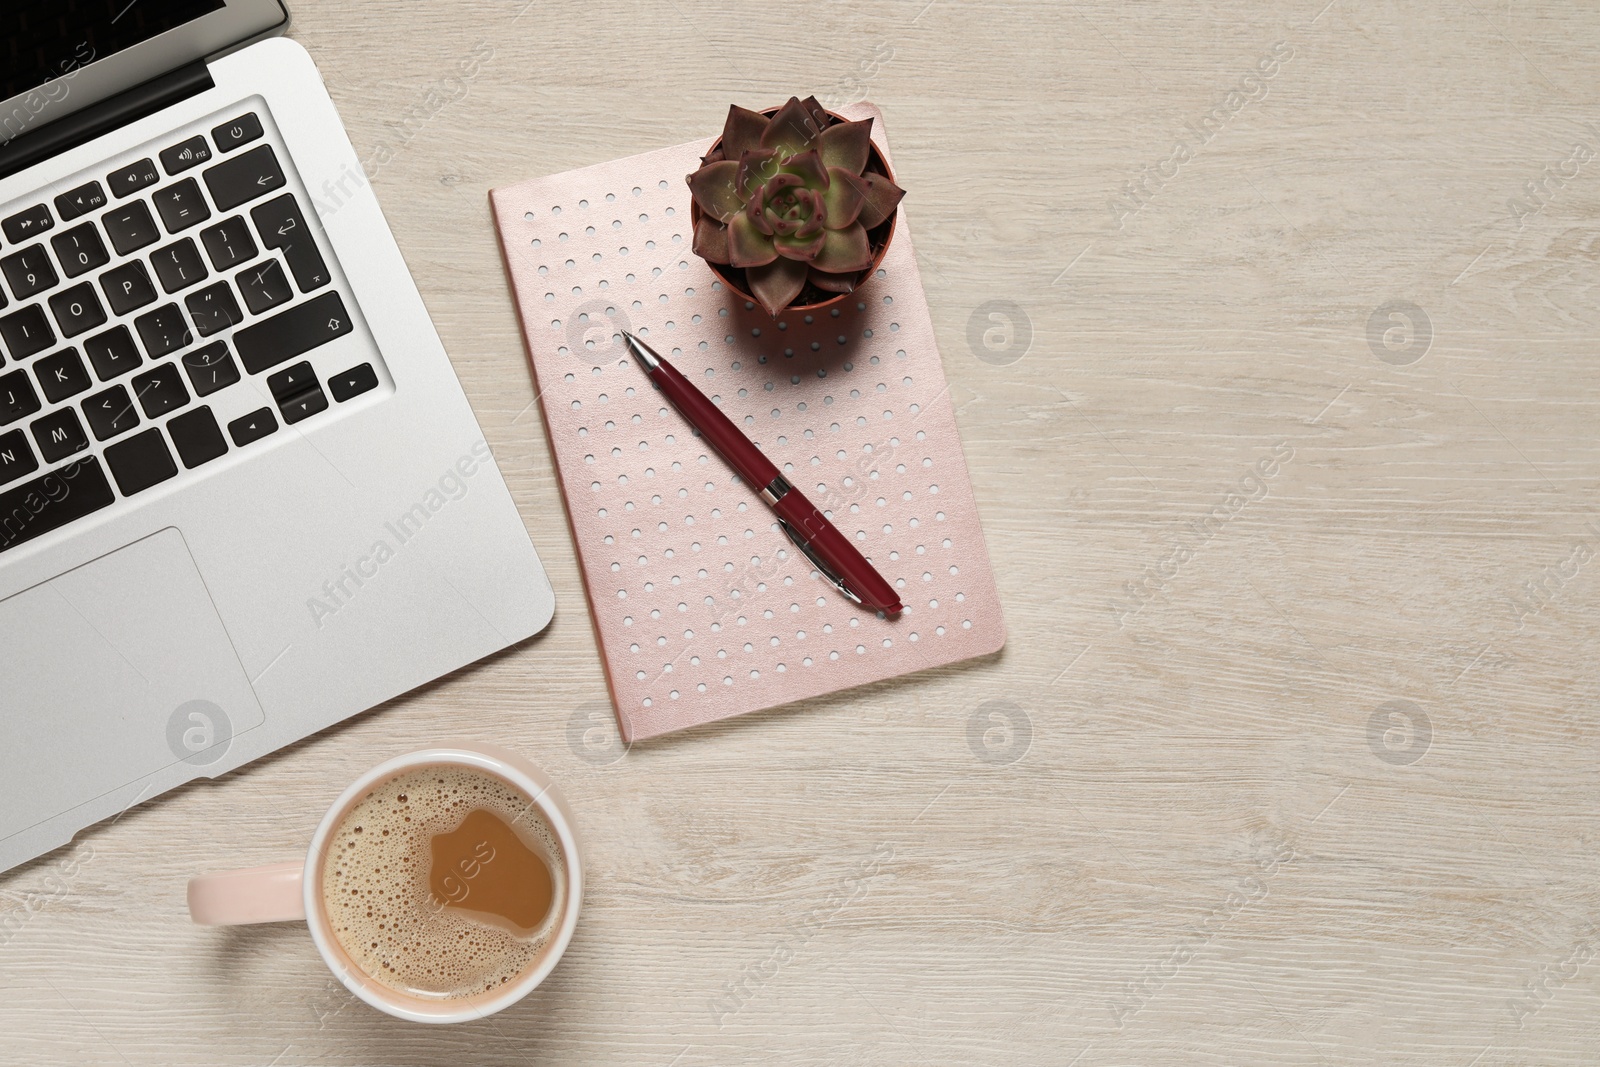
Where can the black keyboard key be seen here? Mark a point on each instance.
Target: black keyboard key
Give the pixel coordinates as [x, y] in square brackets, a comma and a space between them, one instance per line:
[62, 375]
[141, 461]
[281, 225]
[16, 458]
[80, 201]
[160, 390]
[128, 287]
[240, 131]
[132, 178]
[296, 379]
[303, 406]
[59, 435]
[130, 227]
[191, 153]
[48, 503]
[181, 205]
[26, 332]
[77, 309]
[112, 353]
[353, 382]
[197, 437]
[229, 243]
[291, 333]
[213, 309]
[264, 286]
[178, 265]
[244, 178]
[80, 250]
[27, 224]
[17, 398]
[252, 427]
[29, 271]
[110, 413]
[163, 331]
[210, 368]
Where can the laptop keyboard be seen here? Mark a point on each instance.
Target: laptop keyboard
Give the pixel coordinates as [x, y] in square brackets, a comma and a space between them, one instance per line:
[171, 307]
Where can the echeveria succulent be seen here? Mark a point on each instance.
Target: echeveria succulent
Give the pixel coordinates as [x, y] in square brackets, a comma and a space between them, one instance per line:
[790, 200]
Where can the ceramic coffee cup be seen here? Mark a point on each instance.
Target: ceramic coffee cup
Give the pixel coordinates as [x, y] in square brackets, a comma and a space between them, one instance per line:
[286, 892]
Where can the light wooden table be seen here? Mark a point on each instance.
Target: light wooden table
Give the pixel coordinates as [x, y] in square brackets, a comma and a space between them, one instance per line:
[1291, 767]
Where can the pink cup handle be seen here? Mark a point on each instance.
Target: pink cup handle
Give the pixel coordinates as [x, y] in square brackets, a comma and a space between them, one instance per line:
[270, 894]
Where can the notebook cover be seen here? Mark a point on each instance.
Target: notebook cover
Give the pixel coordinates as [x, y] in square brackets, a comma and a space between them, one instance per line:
[702, 607]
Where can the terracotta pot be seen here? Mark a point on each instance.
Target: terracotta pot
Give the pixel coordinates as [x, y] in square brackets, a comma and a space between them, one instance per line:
[810, 298]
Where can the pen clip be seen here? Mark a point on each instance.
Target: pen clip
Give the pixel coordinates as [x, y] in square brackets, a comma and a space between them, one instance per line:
[816, 561]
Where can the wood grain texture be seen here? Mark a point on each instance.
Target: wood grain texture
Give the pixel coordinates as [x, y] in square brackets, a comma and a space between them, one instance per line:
[1195, 828]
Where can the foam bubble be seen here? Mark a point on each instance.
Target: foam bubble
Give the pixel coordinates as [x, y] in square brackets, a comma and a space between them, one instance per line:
[375, 885]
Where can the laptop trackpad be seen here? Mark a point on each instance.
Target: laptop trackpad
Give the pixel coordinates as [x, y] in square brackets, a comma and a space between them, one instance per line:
[114, 670]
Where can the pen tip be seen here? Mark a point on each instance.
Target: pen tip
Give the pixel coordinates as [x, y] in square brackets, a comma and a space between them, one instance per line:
[640, 351]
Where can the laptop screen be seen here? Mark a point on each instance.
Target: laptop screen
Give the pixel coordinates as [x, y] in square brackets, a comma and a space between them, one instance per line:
[45, 39]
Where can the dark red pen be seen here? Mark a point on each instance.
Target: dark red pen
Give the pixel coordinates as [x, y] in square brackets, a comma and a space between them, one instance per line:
[835, 558]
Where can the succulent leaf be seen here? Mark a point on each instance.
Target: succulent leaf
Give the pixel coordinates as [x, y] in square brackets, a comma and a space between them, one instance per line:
[847, 145]
[801, 246]
[714, 190]
[777, 283]
[882, 196]
[755, 166]
[791, 130]
[807, 166]
[747, 245]
[844, 250]
[711, 240]
[832, 283]
[820, 118]
[846, 195]
[742, 131]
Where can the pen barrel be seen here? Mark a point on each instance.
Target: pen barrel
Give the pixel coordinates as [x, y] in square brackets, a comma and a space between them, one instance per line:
[835, 548]
[757, 470]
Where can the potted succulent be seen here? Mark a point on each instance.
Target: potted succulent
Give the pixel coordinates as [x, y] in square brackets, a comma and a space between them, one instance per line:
[793, 207]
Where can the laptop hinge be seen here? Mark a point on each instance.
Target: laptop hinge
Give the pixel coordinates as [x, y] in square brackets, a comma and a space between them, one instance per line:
[82, 126]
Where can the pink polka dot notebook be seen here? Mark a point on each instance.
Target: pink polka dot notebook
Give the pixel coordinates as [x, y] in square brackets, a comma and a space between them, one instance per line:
[703, 608]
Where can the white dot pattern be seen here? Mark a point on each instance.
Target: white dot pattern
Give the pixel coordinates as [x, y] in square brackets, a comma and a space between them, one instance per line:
[704, 608]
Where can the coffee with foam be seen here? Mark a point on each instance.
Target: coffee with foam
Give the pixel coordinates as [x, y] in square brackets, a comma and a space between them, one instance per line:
[444, 882]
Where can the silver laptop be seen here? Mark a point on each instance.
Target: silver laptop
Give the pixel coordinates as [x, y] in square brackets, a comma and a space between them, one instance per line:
[242, 496]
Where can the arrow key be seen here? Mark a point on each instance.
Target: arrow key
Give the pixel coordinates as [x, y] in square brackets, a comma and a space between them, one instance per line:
[304, 405]
[353, 382]
[252, 427]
